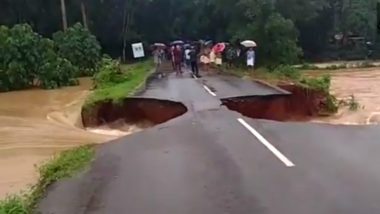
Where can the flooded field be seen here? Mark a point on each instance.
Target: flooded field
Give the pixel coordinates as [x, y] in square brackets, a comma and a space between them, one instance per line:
[364, 85]
[35, 124]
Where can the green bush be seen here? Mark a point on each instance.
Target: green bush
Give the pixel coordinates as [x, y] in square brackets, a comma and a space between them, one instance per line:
[13, 205]
[19, 57]
[109, 73]
[27, 59]
[54, 71]
[321, 83]
[80, 47]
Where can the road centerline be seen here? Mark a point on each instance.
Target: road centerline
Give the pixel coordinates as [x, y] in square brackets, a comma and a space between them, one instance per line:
[209, 90]
[269, 146]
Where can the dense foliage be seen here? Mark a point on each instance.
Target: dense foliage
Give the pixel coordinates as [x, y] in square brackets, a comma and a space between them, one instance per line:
[27, 59]
[306, 24]
[109, 73]
[80, 47]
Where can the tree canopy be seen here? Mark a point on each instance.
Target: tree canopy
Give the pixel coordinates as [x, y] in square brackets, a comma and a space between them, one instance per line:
[281, 27]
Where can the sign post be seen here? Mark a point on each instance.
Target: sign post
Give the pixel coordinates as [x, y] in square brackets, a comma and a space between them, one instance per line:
[138, 50]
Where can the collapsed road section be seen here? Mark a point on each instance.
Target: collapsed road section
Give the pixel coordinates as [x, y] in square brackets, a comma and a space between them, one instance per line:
[301, 104]
[132, 111]
[259, 100]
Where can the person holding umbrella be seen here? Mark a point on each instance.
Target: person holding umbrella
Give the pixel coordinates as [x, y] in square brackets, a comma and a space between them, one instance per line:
[251, 55]
[218, 50]
[251, 58]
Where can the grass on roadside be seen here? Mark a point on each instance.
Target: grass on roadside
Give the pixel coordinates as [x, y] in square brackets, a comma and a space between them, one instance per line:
[118, 83]
[61, 166]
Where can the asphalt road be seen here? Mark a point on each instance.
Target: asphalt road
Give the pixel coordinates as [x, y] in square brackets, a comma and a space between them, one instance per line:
[213, 160]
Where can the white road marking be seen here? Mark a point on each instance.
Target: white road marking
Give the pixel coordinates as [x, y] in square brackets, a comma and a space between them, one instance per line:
[271, 148]
[195, 77]
[209, 91]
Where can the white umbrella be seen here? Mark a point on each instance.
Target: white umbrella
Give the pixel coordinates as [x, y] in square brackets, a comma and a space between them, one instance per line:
[157, 44]
[177, 42]
[248, 43]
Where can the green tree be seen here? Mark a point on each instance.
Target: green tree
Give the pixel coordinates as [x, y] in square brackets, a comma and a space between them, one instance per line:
[80, 47]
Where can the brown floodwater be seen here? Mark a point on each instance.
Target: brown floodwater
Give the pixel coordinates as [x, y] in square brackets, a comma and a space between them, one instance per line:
[35, 124]
[364, 85]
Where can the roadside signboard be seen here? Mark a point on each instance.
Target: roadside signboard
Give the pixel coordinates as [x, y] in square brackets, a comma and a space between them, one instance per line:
[138, 50]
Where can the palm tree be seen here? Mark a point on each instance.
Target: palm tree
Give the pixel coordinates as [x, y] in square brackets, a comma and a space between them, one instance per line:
[64, 17]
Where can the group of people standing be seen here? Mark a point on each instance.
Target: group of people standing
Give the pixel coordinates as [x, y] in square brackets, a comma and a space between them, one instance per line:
[179, 56]
[188, 56]
[184, 56]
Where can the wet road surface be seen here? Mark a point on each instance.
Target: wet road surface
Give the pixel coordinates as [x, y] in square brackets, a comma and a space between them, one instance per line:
[230, 87]
[213, 160]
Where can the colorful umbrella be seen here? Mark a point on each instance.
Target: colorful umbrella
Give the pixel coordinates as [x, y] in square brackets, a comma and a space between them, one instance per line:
[249, 44]
[219, 48]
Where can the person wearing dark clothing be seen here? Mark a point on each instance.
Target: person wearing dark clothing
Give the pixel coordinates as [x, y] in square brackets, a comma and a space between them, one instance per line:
[193, 62]
[177, 57]
[172, 49]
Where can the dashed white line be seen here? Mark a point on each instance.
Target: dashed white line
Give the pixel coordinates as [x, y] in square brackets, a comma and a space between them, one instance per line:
[209, 91]
[269, 146]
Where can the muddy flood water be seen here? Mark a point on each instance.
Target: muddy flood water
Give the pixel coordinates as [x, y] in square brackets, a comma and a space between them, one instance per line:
[364, 85]
[34, 125]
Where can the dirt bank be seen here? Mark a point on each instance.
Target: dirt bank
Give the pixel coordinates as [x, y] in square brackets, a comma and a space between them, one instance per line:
[132, 111]
[301, 105]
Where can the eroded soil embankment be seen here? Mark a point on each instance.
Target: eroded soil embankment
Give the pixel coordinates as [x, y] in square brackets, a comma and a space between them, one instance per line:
[300, 105]
[132, 111]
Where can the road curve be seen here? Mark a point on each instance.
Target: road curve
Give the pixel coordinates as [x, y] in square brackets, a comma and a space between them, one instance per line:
[208, 161]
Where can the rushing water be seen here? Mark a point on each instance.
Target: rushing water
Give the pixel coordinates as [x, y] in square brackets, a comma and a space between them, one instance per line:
[35, 124]
[364, 85]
